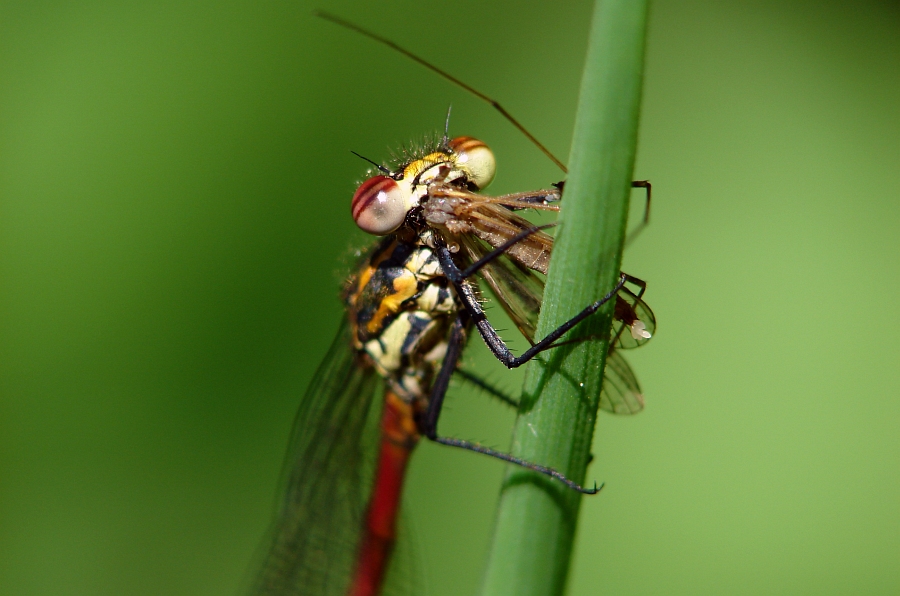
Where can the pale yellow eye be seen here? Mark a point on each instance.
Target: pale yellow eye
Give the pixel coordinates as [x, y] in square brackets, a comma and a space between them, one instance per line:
[379, 205]
[475, 159]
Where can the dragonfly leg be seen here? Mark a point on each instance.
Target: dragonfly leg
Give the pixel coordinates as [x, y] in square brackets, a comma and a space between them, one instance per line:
[519, 462]
[487, 331]
[428, 422]
[487, 387]
[474, 267]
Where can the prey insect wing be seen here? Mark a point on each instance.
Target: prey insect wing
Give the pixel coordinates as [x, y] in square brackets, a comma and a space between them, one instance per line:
[633, 321]
[520, 291]
[621, 393]
[510, 275]
[491, 219]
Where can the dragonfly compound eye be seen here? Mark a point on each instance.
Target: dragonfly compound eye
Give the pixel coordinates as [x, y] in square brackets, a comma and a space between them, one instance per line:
[476, 159]
[379, 205]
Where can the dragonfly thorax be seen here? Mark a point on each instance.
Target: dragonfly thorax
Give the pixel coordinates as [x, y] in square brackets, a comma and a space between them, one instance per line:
[382, 203]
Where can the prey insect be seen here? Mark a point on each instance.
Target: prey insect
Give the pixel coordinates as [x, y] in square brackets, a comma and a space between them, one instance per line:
[412, 303]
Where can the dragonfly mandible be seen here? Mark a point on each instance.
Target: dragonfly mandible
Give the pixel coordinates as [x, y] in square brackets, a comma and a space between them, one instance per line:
[412, 303]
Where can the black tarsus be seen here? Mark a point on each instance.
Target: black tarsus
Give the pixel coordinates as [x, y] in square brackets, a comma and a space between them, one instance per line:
[519, 462]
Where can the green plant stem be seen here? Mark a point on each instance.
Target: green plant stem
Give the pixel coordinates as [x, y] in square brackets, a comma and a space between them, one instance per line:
[537, 517]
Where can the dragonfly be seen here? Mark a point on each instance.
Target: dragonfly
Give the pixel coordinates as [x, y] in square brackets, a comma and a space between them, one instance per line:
[412, 302]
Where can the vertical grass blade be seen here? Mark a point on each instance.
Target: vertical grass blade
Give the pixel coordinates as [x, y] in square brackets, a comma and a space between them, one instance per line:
[537, 517]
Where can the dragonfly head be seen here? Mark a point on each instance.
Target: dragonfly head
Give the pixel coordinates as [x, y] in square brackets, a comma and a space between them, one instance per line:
[381, 203]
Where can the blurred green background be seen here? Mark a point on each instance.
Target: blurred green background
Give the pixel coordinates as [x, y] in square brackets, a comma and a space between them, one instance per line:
[174, 225]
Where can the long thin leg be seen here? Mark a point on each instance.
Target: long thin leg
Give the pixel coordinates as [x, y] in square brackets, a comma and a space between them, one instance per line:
[626, 312]
[428, 422]
[455, 344]
[487, 387]
[487, 331]
[620, 303]
[645, 184]
[474, 267]
[519, 462]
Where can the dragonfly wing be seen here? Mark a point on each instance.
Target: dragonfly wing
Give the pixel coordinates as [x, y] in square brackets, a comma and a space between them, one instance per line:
[404, 569]
[621, 393]
[518, 289]
[326, 480]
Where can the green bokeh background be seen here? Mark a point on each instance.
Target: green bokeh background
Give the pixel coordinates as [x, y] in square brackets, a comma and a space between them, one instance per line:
[174, 189]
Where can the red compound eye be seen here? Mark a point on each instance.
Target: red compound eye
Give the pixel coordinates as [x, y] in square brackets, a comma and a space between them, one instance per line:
[379, 205]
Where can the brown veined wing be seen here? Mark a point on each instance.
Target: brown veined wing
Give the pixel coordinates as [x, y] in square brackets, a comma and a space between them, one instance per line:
[492, 221]
[512, 279]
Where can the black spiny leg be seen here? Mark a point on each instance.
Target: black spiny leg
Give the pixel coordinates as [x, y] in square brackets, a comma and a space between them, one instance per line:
[487, 387]
[487, 331]
[428, 422]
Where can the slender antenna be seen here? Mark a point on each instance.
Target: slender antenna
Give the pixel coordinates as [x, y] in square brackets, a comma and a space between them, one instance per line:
[353, 27]
[380, 167]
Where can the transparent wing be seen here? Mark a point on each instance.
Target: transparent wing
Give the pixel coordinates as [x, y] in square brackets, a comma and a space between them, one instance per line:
[520, 293]
[621, 393]
[327, 477]
[634, 324]
[403, 575]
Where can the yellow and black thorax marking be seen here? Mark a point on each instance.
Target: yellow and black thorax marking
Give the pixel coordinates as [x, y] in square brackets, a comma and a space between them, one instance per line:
[400, 307]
